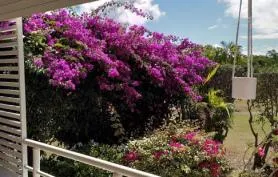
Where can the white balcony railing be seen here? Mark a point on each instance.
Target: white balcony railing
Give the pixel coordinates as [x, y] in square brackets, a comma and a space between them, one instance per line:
[115, 169]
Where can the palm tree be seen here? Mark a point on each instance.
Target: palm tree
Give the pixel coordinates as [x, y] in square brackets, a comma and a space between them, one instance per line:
[231, 50]
[272, 54]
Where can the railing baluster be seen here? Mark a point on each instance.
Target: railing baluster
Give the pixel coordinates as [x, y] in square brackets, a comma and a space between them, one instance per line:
[36, 162]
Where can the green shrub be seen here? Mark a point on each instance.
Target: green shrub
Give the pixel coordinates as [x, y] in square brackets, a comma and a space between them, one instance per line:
[53, 114]
[87, 114]
[217, 114]
[174, 151]
[61, 167]
[213, 114]
[222, 80]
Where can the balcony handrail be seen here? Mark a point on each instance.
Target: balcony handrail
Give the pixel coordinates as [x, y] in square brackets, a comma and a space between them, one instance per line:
[102, 164]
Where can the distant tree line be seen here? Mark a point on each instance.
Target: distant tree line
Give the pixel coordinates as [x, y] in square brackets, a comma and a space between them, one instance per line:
[227, 51]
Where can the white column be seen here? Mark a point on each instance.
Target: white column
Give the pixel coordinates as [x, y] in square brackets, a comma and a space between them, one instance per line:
[36, 162]
[21, 73]
[250, 40]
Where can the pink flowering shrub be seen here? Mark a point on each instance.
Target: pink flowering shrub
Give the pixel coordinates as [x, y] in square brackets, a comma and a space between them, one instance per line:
[187, 152]
[165, 153]
[117, 81]
[123, 59]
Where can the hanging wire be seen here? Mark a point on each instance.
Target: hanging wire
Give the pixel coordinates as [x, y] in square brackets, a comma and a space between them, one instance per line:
[237, 36]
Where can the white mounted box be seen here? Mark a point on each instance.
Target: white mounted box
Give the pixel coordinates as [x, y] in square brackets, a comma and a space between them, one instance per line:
[244, 88]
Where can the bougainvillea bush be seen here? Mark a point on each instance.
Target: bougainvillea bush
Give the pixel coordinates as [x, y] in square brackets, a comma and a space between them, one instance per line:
[123, 58]
[139, 74]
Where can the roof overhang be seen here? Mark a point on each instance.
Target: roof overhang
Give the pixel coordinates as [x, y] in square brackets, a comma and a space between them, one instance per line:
[21, 8]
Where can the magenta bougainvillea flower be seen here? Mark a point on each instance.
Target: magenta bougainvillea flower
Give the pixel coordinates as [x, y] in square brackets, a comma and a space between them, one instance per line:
[261, 151]
[122, 58]
[131, 156]
[190, 136]
[211, 147]
[158, 154]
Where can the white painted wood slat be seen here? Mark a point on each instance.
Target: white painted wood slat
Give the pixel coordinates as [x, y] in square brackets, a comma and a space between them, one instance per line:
[10, 122]
[10, 114]
[8, 61]
[9, 84]
[10, 144]
[10, 129]
[7, 37]
[7, 29]
[9, 99]
[8, 68]
[8, 44]
[14, 160]
[9, 76]
[10, 137]
[9, 92]
[10, 151]
[9, 107]
[12, 167]
[8, 53]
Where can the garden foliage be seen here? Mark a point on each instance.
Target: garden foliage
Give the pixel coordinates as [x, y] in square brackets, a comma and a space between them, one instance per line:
[124, 79]
[173, 151]
[222, 80]
[266, 104]
[68, 47]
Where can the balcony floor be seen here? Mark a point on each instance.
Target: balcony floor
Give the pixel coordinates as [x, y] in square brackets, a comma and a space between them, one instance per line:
[6, 173]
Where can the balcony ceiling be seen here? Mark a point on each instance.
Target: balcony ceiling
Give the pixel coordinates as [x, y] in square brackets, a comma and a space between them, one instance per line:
[17, 8]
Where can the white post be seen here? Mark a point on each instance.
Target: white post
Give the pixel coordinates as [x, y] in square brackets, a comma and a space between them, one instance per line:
[21, 73]
[250, 40]
[36, 162]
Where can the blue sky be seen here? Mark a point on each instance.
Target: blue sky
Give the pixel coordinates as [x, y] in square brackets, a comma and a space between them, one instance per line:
[203, 21]
[206, 21]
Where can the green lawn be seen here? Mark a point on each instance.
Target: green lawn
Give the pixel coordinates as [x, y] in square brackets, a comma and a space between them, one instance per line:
[238, 139]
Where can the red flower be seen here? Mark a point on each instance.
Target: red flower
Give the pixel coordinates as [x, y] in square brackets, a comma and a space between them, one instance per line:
[261, 151]
[190, 136]
[213, 167]
[158, 154]
[211, 147]
[275, 132]
[131, 156]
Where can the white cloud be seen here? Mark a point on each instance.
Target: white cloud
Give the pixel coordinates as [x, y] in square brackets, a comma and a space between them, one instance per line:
[213, 27]
[265, 16]
[263, 36]
[125, 16]
[218, 24]
[217, 46]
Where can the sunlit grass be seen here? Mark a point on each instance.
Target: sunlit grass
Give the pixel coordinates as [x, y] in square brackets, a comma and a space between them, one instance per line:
[240, 137]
